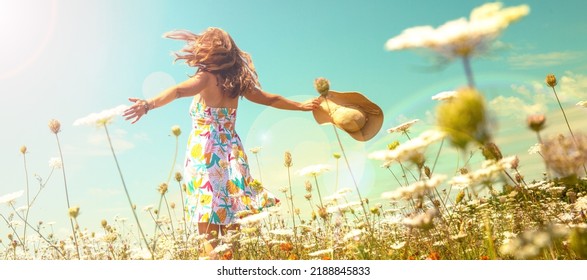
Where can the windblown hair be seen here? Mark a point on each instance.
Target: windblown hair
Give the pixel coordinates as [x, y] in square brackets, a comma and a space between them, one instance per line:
[215, 51]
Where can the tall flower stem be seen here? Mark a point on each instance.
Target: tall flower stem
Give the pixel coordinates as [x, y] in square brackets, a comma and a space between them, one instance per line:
[293, 209]
[126, 192]
[567, 121]
[67, 196]
[259, 168]
[350, 170]
[183, 210]
[174, 159]
[28, 202]
[468, 71]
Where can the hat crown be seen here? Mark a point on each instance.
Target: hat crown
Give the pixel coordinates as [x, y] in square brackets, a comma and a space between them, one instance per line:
[350, 118]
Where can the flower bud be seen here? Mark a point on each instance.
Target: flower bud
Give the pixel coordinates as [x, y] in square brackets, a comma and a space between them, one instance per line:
[536, 122]
[176, 130]
[322, 85]
[551, 80]
[23, 149]
[54, 126]
[74, 212]
[287, 159]
[163, 188]
[178, 176]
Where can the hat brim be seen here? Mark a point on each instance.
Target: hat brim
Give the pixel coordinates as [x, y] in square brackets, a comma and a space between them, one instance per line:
[372, 112]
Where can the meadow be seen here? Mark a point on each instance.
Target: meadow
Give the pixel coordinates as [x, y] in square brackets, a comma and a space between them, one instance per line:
[485, 211]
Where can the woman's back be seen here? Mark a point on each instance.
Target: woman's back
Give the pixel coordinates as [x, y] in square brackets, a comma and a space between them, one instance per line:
[212, 95]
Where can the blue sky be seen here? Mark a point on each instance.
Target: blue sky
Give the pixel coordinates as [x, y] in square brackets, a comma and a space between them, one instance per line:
[67, 59]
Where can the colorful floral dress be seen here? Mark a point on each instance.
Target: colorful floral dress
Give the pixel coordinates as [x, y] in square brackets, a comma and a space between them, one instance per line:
[216, 170]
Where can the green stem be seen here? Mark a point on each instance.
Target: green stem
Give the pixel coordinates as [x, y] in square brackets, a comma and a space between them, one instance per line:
[67, 195]
[126, 192]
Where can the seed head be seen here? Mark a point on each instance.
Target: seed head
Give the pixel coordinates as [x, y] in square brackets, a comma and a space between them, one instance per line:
[536, 122]
[172, 205]
[23, 149]
[178, 176]
[176, 130]
[551, 80]
[163, 188]
[104, 223]
[287, 159]
[308, 186]
[336, 155]
[322, 85]
[54, 126]
[74, 212]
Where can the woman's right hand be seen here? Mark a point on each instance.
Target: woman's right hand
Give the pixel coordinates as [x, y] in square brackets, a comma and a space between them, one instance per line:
[137, 110]
[310, 105]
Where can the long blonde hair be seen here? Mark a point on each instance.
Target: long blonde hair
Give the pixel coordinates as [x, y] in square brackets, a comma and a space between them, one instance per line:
[215, 51]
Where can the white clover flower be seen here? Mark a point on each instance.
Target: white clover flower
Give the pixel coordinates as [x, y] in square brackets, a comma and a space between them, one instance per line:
[461, 37]
[314, 170]
[102, 118]
[56, 163]
[403, 127]
[445, 95]
[11, 197]
[415, 190]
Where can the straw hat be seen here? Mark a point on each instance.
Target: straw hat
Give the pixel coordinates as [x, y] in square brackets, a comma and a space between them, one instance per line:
[351, 112]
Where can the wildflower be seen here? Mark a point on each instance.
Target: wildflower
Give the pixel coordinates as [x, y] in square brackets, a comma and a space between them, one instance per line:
[536, 122]
[104, 223]
[445, 95]
[398, 245]
[162, 188]
[403, 128]
[489, 170]
[55, 162]
[287, 159]
[102, 118]
[535, 149]
[255, 150]
[178, 176]
[564, 155]
[283, 232]
[314, 170]
[172, 205]
[54, 126]
[393, 145]
[308, 196]
[531, 243]
[491, 151]
[550, 80]
[415, 190]
[74, 212]
[461, 37]
[582, 104]
[23, 149]
[176, 130]
[148, 208]
[411, 150]
[464, 118]
[308, 186]
[336, 155]
[322, 85]
[320, 253]
[342, 207]
[422, 220]
[253, 219]
[287, 246]
[581, 204]
[11, 197]
[354, 234]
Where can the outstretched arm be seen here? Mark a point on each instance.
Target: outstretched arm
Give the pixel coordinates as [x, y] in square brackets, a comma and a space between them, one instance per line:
[189, 87]
[277, 101]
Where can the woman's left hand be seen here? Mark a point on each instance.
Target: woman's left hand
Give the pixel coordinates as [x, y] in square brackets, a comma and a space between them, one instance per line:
[310, 105]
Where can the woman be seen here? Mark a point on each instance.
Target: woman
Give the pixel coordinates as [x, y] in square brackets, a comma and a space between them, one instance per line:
[216, 168]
